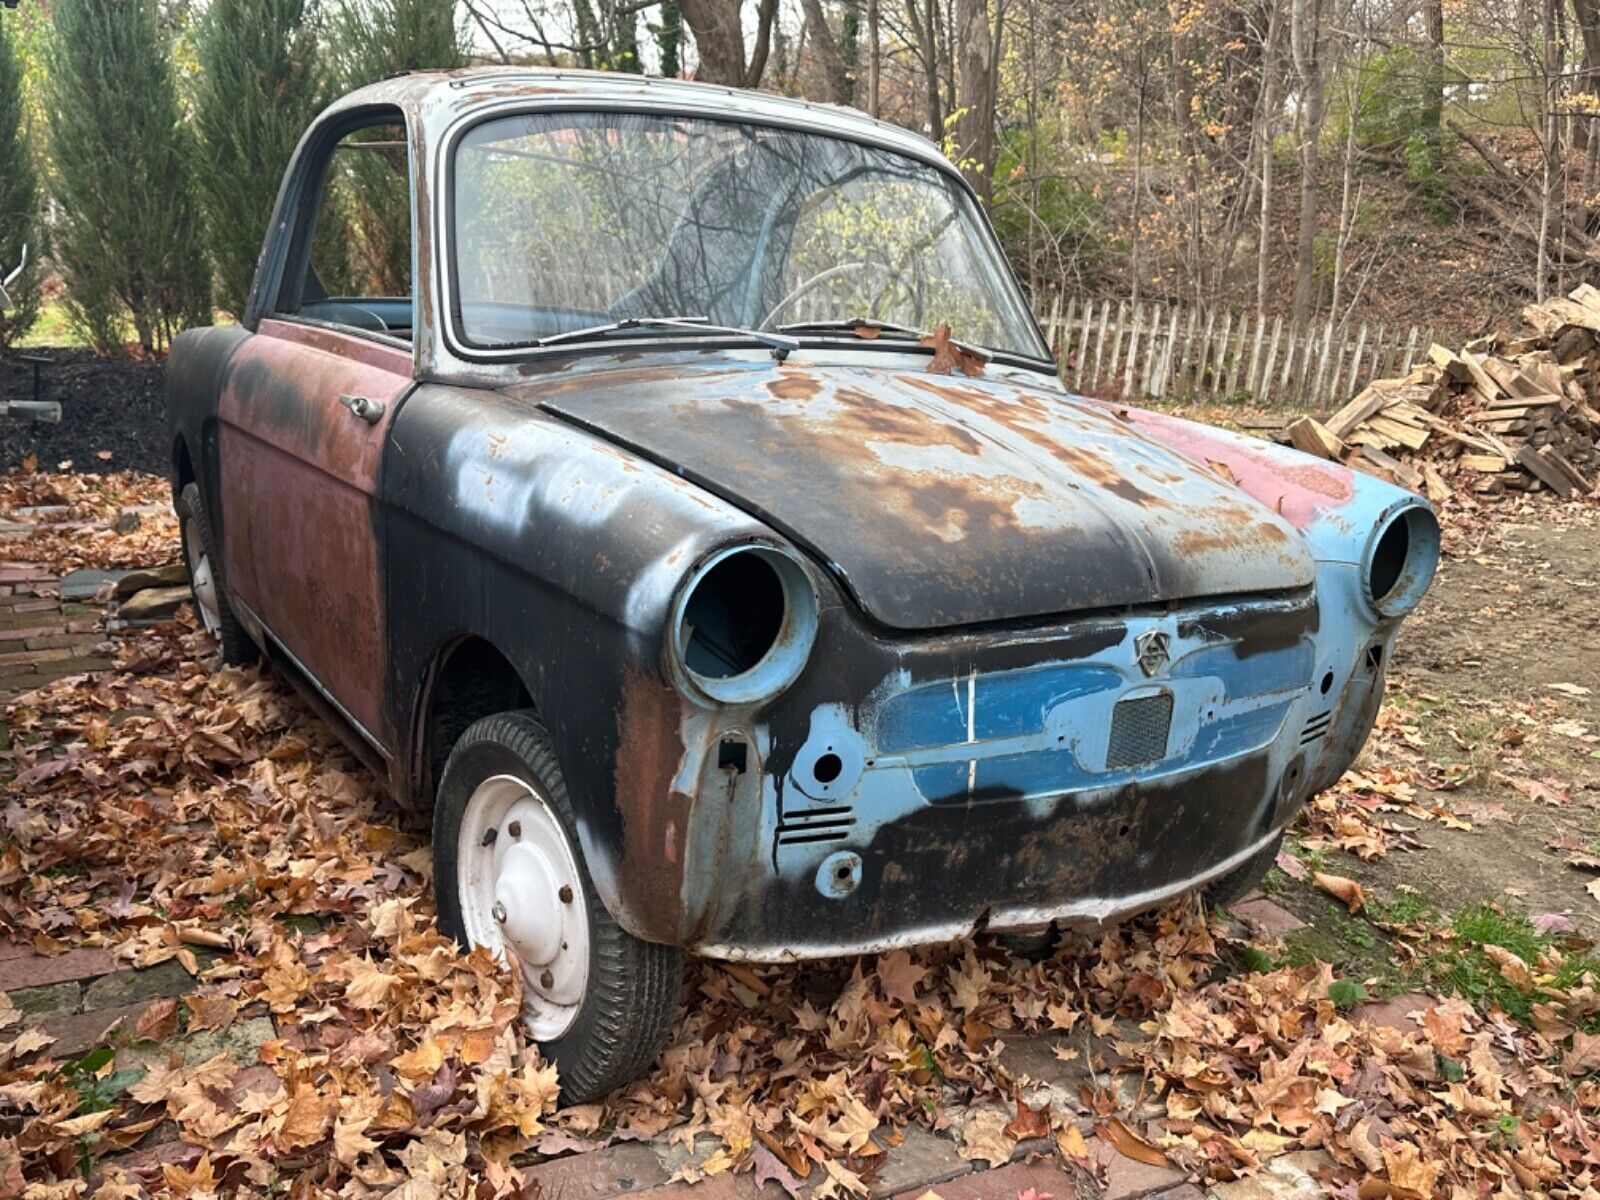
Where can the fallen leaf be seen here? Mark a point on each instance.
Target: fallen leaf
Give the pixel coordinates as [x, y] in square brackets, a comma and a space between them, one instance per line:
[1131, 1145]
[984, 1138]
[1347, 891]
[1029, 1122]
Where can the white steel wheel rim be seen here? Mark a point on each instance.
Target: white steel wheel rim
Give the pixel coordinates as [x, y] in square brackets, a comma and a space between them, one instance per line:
[519, 888]
[202, 579]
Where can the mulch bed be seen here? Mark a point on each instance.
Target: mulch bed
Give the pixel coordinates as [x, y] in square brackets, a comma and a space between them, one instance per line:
[112, 415]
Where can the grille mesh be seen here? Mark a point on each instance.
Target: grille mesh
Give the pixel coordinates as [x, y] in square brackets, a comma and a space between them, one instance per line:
[1139, 730]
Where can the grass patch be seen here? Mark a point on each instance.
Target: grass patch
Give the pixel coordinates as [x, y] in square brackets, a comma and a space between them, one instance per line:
[1466, 967]
[52, 328]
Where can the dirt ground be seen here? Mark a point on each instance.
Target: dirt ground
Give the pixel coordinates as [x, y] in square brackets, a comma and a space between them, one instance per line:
[112, 416]
[1496, 701]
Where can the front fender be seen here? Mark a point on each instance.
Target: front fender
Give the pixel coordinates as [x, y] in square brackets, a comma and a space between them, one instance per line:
[504, 523]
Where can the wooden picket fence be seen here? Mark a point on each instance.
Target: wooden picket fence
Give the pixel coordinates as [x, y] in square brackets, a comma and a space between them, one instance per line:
[1112, 348]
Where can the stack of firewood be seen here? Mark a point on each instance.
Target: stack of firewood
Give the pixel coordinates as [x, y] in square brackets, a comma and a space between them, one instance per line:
[1504, 414]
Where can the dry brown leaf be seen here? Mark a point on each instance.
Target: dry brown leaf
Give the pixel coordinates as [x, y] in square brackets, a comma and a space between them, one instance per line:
[1347, 891]
[1131, 1145]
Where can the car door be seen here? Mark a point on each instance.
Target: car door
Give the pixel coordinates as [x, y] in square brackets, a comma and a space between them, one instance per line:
[303, 416]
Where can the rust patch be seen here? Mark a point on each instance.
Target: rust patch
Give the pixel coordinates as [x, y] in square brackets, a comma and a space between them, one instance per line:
[650, 753]
[792, 385]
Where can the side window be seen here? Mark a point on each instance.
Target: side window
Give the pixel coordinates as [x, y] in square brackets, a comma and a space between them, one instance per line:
[356, 271]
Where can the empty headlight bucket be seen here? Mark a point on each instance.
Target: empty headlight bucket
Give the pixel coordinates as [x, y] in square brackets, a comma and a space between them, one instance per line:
[1401, 557]
[743, 624]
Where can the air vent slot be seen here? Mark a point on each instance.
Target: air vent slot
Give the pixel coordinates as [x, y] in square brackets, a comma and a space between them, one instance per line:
[1139, 729]
[1315, 727]
[810, 825]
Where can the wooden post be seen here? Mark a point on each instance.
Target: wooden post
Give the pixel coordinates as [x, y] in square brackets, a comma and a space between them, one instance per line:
[1099, 344]
[1355, 365]
[1411, 350]
[1197, 382]
[1116, 343]
[1219, 355]
[1148, 379]
[1267, 390]
[1133, 351]
[1166, 357]
[1255, 357]
[1083, 345]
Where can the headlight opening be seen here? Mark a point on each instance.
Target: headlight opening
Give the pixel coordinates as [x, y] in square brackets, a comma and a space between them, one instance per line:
[744, 624]
[1400, 560]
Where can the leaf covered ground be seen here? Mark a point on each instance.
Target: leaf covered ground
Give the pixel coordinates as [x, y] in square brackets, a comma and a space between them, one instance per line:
[165, 810]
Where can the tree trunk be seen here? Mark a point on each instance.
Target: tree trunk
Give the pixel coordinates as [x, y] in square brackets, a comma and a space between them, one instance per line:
[1269, 117]
[1433, 83]
[835, 71]
[874, 58]
[719, 41]
[974, 125]
[1304, 43]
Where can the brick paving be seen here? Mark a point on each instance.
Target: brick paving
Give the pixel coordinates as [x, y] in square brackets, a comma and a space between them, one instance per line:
[42, 635]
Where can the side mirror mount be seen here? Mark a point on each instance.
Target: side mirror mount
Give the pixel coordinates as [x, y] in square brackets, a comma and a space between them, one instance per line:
[5, 284]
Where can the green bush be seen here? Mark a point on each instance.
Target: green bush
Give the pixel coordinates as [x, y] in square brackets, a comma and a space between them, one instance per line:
[256, 91]
[1070, 216]
[19, 199]
[129, 242]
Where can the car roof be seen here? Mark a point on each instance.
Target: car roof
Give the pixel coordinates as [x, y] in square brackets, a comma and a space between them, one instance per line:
[445, 96]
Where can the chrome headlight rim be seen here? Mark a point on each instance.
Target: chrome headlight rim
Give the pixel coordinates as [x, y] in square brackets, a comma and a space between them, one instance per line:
[1393, 588]
[790, 649]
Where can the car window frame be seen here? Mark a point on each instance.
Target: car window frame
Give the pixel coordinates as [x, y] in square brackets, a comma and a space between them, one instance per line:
[286, 270]
[443, 179]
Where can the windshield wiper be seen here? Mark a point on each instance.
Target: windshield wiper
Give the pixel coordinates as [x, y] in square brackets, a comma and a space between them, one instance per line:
[780, 345]
[852, 324]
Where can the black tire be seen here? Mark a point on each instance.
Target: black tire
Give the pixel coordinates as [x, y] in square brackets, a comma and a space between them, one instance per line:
[237, 648]
[626, 1013]
[1239, 882]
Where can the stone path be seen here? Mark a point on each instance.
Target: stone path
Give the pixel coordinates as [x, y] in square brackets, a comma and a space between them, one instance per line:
[43, 634]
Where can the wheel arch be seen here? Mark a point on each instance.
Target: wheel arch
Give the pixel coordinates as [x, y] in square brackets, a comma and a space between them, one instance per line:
[183, 471]
[468, 677]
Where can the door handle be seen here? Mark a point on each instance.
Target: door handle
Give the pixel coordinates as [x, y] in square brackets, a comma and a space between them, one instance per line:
[368, 410]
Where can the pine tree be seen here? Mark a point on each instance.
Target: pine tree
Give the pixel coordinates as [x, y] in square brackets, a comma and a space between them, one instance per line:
[371, 40]
[257, 90]
[129, 243]
[19, 198]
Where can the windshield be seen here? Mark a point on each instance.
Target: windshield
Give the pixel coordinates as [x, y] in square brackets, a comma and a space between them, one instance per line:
[565, 221]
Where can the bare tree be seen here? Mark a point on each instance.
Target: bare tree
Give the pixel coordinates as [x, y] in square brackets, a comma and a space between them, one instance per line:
[1306, 48]
[718, 31]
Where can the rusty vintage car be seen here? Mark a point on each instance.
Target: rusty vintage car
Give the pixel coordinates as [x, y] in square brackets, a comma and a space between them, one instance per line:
[625, 502]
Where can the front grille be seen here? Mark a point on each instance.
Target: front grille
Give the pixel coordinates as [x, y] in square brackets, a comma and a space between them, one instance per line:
[1139, 730]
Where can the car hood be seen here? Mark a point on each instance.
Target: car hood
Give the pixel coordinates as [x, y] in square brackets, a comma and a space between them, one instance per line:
[941, 501]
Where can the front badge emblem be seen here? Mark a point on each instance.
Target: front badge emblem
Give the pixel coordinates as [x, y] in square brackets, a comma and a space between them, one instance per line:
[1153, 649]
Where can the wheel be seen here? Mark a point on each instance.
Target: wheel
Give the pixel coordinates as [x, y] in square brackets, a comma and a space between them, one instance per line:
[509, 874]
[205, 580]
[1237, 883]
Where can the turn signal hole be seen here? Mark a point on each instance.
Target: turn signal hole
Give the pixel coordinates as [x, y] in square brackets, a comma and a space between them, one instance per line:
[734, 617]
[827, 768]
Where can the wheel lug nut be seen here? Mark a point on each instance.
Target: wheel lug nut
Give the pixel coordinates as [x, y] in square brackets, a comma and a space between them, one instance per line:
[547, 980]
[499, 911]
[489, 837]
[516, 829]
[566, 894]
